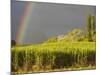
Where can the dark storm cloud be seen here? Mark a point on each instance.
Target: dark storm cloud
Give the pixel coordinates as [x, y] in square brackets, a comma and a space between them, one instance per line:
[17, 9]
[48, 19]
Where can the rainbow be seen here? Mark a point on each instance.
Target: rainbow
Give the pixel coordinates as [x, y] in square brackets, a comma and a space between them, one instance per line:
[24, 22]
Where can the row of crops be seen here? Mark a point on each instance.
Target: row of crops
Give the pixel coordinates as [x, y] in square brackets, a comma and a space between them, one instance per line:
[53, 56]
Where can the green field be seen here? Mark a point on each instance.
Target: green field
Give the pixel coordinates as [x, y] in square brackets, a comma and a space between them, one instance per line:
[48, 57]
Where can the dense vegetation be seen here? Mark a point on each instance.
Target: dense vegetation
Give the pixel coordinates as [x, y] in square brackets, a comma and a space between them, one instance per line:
[45, 57]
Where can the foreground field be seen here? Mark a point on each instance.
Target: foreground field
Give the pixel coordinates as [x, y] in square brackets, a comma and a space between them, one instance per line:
[60, 56]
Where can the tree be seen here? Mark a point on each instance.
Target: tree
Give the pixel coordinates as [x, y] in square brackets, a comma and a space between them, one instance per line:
[93, 26]
[75, 35]
[89, 35]
[13, 43]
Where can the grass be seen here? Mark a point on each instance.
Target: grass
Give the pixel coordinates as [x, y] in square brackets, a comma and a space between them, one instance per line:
[58, 56]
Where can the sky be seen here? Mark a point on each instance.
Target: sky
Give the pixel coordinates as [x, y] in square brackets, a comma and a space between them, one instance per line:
[41, 21]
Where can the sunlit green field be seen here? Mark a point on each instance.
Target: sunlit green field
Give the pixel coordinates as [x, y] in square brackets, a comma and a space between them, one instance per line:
[48, 57]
